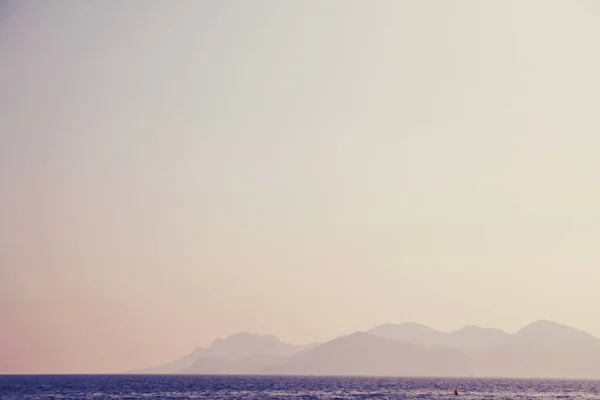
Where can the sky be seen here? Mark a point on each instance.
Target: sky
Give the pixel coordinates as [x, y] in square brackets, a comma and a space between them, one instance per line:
[174, 172]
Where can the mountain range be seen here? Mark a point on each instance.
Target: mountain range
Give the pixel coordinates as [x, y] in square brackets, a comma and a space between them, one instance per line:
[543, 349]
[242, 349]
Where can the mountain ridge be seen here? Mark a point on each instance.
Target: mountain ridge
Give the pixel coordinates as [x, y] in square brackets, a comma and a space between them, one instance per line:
[238, 346]
[469, 338]
[544, 349]
[541, 349]
[362, 353]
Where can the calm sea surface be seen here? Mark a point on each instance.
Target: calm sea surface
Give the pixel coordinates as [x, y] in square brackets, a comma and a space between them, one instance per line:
[289, 388]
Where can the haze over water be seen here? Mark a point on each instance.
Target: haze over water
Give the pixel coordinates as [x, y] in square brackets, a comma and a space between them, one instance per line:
[175, 172]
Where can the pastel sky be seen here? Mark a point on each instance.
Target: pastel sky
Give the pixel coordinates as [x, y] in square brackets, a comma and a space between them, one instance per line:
[176, 171]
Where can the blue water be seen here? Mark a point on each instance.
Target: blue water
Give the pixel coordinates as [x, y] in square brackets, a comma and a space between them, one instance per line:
[289, 388]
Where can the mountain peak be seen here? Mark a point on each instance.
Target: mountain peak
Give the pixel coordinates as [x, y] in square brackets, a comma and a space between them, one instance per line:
[547, 331]
[248, 337]
[354, 337]
[410, 332]
[544, 321]
[470, 328]
[246, 334]
[544, 325]
[477, 328]
[416, 325]
[358, 334]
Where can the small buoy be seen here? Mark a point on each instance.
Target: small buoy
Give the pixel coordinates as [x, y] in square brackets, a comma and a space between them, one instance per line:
[456, 392]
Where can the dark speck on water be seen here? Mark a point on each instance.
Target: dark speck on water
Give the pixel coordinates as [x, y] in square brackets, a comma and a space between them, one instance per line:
[131, 387]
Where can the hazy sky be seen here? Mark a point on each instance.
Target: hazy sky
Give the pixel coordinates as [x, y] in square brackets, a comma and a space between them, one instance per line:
[176, 171]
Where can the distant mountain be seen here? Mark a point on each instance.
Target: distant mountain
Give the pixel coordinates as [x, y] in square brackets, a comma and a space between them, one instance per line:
[173, 367]
[543, 349]
[411, 332]
[468, 339]
[253, 365]
[471, 339]
[244, 344]
[365, 354]
[240, 346]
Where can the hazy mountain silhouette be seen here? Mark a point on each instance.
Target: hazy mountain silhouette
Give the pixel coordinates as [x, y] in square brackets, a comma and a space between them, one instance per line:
[244, 344]
[410, 332]
[365, 354]
[173, 367]
[239, 346]
[472, 338]
[543, 349]
[253, 365]
[468, 339]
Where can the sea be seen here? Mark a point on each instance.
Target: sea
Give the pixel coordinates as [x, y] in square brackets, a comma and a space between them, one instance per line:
[130, 387]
